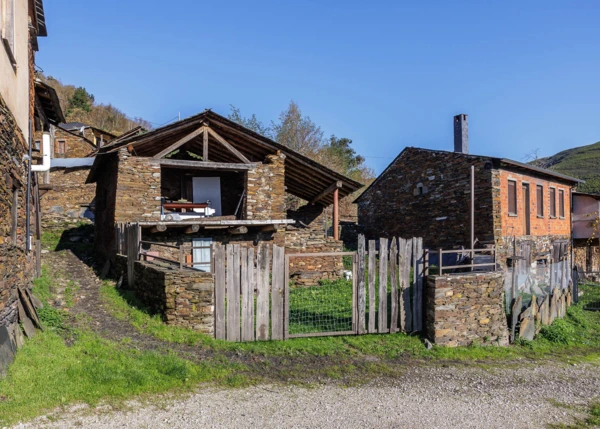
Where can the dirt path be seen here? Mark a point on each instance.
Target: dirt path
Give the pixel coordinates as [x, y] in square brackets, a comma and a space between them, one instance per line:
[434, 397]
[88, 302]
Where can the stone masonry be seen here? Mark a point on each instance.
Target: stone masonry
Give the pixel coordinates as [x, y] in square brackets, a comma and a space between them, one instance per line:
[16, 267]
[182, 298]
[465, 309]
[265, 197]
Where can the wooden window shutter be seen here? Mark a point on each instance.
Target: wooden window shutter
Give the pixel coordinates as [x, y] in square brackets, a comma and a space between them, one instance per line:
[512, 197]
[540, 200]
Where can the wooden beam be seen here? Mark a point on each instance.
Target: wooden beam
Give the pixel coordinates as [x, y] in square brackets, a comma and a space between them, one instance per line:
[239, 230]
[158, 228]
[180, 142]
[336, 217]
[268, 228]
[228, 146]
[202, 165]
[192, 229]
[332, 188]
[205, 144]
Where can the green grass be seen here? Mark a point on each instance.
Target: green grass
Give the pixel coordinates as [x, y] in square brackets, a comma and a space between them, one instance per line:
[576, 338]
[62, 365]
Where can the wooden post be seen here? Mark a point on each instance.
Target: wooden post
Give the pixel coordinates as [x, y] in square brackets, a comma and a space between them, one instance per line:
[336, 215]
[205, 146]
[181, 261]
[220, 291]
[372, 270]
[382, 325]
[440, 261]
[472, 244]
[361, 294]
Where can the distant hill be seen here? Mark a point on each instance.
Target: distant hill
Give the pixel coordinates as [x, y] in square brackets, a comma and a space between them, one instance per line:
[80, 106]
[582, 162]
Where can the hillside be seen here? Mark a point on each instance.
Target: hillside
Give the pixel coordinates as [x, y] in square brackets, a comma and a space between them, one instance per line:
[80, 106]
[582, 162]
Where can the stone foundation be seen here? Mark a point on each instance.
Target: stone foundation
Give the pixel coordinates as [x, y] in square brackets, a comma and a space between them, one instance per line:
[183, 298]
[465, 309]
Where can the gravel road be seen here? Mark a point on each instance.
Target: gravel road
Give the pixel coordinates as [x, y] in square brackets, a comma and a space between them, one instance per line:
[518, 396]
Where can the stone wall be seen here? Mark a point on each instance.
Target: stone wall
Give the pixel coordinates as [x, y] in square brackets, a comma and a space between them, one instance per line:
[75, 145]
[16, 267]
[427, 194]
[541, 246]
[138, 196]
[265, 197]
[183, 298]
[465, 309]
[308, 236]
[70, 200]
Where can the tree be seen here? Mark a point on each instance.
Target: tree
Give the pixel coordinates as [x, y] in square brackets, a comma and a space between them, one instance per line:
[252, 123]
[297, 132]
[81, 99]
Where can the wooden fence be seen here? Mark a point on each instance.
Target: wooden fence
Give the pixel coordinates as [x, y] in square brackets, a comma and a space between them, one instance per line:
[392, 274]
[127, 240]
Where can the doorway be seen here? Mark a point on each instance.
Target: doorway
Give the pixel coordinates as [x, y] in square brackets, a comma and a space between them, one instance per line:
[526, 210]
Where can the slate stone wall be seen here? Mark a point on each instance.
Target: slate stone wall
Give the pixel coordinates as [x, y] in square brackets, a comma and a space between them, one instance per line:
[308, 236]
[465, 309]
[183, 298]
[16, 267]
[265, 197]
[70, 200]
[427, 194]
[138, 189]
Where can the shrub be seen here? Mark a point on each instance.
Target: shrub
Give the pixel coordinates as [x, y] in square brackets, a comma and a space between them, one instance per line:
[560, 332]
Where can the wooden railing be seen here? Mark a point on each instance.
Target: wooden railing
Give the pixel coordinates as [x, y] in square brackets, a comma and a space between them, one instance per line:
[471, 252]
[181, 252]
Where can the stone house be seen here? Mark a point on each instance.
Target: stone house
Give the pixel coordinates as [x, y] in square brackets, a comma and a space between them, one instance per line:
[22, 23]
[67, 199]
[586, 232]
[428, 193]
[206, 179]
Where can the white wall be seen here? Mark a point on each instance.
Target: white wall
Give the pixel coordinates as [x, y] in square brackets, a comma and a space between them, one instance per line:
[14, 84]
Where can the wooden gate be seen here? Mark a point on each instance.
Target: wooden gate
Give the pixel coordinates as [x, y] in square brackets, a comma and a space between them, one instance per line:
[255, 299]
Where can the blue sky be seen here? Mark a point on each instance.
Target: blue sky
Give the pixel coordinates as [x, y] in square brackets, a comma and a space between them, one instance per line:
[387, 74]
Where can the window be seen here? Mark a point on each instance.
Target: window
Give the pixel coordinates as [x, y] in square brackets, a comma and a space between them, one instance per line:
[561, 203]
[552, 202]
[540, 200]
[7, 25]
[37, 146]
[14, 210]
[60, 147]
[512, 197]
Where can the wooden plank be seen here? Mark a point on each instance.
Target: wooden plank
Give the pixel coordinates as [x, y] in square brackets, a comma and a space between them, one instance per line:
[382, 324]
[226, 144]
[204, 145]
[248, 285]
[205, 165]
[354, 296]
[360, 277]
[286, 298]
[220, 292]
[394, 285]
[179, 143]
[372, 301]
[407, 318]
[326, 191]
[277, 290]
[418, 284]
[233, 292]
[263, 290]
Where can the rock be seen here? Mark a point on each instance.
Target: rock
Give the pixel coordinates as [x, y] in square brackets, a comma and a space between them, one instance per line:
[7, 349]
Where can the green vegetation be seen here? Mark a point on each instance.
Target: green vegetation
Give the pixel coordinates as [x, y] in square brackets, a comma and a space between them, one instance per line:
[581, 162]
[62, 365]
[575, 338]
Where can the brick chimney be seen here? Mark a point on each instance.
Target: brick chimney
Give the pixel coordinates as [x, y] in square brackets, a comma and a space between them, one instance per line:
[461, 133]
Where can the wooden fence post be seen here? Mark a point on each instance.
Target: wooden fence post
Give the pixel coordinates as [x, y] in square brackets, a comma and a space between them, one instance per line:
[220, 291]
[418, 284]
[277, 292]
[372, 297]
[394, 282]
[361, 294]
[406, 321]
[383, 290]
[262, 293]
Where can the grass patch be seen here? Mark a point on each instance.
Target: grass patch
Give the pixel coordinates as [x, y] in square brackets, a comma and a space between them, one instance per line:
[575, 338]
[47, 373]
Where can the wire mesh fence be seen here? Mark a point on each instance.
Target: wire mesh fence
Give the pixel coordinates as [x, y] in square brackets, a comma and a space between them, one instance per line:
[323, 308]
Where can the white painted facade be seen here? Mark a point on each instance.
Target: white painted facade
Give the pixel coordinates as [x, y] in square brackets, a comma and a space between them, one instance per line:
[14, 79]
